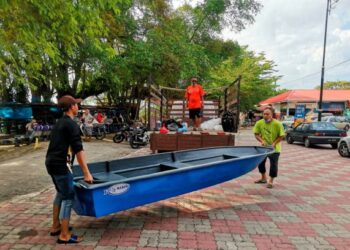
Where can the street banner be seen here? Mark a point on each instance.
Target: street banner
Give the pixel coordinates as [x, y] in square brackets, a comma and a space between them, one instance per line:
[300, 111]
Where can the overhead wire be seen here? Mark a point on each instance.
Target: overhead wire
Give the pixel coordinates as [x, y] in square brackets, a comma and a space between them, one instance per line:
[318, 72]
[334, 4]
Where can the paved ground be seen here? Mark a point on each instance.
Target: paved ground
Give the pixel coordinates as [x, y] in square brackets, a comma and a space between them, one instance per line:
[22, 169]
[309, 208]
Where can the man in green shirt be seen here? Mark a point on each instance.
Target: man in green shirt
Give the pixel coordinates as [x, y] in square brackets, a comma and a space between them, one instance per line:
[269, 132]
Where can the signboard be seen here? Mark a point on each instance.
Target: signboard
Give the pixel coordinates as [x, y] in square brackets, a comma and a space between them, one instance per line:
[300, 111]
[16, 113]
[333, 106]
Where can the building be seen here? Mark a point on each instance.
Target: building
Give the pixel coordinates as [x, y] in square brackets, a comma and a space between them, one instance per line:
[334, 101]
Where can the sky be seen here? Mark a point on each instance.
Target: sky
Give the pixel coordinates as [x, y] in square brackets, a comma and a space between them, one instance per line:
[291, 33]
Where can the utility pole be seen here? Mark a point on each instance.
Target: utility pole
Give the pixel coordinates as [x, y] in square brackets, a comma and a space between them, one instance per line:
[323, 61]
[329, 7]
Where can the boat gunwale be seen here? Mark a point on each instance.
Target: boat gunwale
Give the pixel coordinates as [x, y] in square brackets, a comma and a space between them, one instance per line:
[82, 184]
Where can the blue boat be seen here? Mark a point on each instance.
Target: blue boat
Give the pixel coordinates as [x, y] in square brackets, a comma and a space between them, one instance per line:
[130, 182]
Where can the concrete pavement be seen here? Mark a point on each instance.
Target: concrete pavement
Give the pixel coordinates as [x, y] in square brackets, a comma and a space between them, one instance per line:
[309, 208]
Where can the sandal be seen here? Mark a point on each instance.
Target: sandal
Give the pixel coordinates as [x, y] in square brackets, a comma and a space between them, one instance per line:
[269, 185]
[73, 240]
[260, 181]
[59, 232]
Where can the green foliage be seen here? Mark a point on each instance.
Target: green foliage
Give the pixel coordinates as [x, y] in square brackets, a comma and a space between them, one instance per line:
[45, 40]
[258, 77]
[240, 13]
[336, 85]
[115, 46]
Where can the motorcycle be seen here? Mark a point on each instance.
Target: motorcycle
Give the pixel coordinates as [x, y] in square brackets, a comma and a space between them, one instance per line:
[98, 131]
[122, 134]
[138, 137]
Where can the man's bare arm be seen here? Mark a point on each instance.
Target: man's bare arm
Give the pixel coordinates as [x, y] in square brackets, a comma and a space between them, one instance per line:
[278, 139]
[83, 165]
[260, 139]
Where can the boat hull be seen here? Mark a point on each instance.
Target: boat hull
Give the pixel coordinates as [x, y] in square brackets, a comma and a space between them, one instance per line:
[164, 179]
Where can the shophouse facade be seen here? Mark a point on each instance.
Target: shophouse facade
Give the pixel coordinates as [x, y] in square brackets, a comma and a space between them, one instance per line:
[334, 101]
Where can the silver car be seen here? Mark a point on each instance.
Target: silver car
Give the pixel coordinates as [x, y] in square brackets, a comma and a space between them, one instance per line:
[344, 146]
[340, 122]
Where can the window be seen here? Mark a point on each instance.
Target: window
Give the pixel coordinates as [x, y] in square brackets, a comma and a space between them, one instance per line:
[323, 126]
[306, 127]
[299, 128]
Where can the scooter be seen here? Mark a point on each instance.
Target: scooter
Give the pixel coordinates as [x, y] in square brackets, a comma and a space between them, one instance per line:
[98, 131]
[122, 134]
[139, 137]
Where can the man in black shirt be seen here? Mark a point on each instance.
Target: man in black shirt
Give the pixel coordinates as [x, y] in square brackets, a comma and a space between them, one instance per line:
[65, 140]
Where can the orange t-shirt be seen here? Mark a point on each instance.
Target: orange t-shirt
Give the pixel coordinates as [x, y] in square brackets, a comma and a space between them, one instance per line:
[194, 96]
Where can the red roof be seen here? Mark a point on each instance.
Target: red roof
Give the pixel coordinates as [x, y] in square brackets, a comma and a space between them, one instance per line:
[309, 95]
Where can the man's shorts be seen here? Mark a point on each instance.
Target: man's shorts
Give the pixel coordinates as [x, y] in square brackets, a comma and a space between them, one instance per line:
[195, 113]
[64, 185]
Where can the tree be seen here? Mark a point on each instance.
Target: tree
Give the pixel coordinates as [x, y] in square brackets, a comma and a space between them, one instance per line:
[258, 77]
[42, 43]
[336, 85]
[89, 47]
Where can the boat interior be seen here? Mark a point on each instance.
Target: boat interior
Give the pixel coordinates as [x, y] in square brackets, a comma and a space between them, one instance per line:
[121, 169]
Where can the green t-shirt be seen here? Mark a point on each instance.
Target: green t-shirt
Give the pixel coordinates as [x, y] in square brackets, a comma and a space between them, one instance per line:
[269, 132]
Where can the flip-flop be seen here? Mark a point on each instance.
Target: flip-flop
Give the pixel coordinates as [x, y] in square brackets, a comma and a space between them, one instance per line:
[59, 231]
[260, 181]
[73, 240]
[269, 185]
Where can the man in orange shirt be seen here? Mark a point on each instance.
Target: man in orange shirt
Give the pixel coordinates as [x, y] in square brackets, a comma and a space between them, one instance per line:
[195, 102]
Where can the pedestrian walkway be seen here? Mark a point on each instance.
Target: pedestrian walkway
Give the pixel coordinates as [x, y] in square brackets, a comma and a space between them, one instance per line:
[309, 208]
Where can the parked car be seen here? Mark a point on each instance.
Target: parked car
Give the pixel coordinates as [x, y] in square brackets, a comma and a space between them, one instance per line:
[344, 147]
[340, 122]
[315, 133]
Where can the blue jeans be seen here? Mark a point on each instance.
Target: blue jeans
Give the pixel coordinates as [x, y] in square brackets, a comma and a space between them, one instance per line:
[65, 194]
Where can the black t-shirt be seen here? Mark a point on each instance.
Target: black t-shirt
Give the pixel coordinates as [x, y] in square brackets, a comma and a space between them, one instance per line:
[64, 134]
